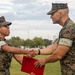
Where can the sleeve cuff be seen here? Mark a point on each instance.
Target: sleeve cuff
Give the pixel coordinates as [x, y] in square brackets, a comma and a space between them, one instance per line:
[65, 41]
[2, 43]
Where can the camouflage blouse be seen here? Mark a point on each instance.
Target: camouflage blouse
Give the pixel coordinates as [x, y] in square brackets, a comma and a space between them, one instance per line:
[67, 38]
[5, 59]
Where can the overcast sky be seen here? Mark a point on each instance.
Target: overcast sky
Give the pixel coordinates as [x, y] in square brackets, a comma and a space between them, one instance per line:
[29, 17]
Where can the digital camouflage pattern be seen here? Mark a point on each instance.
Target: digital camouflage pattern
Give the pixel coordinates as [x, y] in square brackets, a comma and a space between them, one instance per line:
[5, 60]
[4, 22]
[68, 61]
[57, 6]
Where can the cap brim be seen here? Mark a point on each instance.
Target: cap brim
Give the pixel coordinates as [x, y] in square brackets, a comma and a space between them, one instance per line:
[6, 23]
[51, 12]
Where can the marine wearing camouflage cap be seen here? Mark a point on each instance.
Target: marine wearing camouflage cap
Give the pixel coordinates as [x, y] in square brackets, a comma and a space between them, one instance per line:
[5, 57]
[57, 6]
[66, 40]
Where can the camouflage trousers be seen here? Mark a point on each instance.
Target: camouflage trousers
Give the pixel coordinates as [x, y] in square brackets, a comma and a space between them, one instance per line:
[68, 71]
[3, 72]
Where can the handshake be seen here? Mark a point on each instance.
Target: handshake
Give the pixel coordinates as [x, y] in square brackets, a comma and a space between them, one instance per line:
[33, 52]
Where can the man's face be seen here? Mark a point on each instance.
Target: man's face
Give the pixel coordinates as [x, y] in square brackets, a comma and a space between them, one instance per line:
[4, 30]
[55, 17]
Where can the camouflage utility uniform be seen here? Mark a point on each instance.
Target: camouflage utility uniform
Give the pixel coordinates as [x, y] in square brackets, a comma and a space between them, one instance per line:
[67, 38]
[5, 60]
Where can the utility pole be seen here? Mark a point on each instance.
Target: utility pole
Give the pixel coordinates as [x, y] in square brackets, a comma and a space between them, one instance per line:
[28, 34]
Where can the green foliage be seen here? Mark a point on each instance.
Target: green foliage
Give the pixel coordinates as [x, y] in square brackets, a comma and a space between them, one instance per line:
[16, 41]
[47, 42]
[36, 42]
[29, 43]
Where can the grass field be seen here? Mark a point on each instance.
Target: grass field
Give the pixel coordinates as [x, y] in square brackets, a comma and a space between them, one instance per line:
[50, 68]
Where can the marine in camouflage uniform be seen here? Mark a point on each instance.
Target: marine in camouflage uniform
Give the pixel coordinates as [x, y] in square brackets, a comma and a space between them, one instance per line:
[5, 59]
[7, 51]
[67, 38]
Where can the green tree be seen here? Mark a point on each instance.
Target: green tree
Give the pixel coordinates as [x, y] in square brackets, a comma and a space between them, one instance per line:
[47, 42]
[16, 41]
[29, 43]
[38, 41]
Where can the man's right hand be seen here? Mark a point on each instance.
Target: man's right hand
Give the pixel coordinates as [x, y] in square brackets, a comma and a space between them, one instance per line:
[32, 73]
[33, 52]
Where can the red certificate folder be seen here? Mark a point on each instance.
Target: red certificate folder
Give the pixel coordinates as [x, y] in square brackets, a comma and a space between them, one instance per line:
[28, 66]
